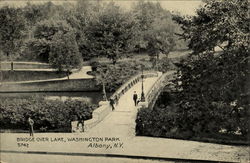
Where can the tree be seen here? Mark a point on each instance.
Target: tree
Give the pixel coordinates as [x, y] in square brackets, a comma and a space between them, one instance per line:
[43, 35]
[78, 18]
[160, 39]
[64, 53]
[109, 33]
[155, 32]
[102, 78]
[145, 14]
[212, 85]
[216, 23]
[12, 31]
[111, 77]
[35, 13]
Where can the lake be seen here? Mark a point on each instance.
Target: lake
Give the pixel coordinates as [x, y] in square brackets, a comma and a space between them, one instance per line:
[91, 97]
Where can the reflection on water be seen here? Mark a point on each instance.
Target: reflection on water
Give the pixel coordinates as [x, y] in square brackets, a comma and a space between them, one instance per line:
[91, 97]
[63, 98]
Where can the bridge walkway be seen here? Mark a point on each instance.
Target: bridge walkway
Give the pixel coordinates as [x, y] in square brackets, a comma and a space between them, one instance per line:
[121, 122]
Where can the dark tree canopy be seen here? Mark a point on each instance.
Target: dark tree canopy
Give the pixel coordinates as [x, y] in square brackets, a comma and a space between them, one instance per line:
[102, 29]
[110, 32]
[44, 32]
[218, 23]
[155, 30]
[37, 12]
[64, 53]
[213, 85]
[12, 30]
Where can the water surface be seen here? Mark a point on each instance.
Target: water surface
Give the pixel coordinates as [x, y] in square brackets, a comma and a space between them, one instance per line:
[91, 97]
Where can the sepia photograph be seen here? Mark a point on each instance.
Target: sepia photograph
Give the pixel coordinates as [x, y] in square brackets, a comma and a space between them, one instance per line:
[124, 81]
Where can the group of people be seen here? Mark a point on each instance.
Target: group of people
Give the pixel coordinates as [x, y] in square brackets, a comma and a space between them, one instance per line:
[135, 99]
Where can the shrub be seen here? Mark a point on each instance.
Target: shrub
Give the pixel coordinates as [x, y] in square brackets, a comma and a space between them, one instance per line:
[116, 75]
[166, 119]
[47, 114]
[157, 122]
[94, 65]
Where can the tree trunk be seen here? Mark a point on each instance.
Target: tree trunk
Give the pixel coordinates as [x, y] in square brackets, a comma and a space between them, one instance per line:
[12, 65]
[1, 72]
[68, 74]
[156, 61]
[104, 92]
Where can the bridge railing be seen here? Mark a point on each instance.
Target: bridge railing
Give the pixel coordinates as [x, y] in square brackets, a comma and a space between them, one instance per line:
[130, 83]
[101, 112]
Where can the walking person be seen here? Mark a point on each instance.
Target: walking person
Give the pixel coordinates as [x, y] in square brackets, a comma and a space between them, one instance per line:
[116, 100]
[135, 96]
[31, 124]
[80, 121]
[112, 102]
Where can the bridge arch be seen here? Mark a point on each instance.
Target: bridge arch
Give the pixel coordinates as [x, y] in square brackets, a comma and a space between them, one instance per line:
[156, 89]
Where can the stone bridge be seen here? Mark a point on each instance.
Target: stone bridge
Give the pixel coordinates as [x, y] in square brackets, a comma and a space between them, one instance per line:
[121, 121]
[156, 89]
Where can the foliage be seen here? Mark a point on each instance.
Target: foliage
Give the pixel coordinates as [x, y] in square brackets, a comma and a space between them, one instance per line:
[211, 99]
[64, 53]
[209, 85]
[217, 23]
[94, 65]
[168, 120]
[43, 36]
[35, 13]
[48, 114]
[48, 28]
[12, 31]
[165, 64]
[109, 33]
[213, 85]
[78, 18]
[101, 29]
[155, 28]
[160, 39]
[108, 74]
[156, 122]
[155, 32]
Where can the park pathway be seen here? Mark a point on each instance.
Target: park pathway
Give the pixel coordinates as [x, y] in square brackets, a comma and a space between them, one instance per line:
[76, 74]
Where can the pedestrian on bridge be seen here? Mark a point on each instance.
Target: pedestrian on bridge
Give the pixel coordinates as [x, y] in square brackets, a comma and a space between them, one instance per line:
[112, 103]
[135, 96]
